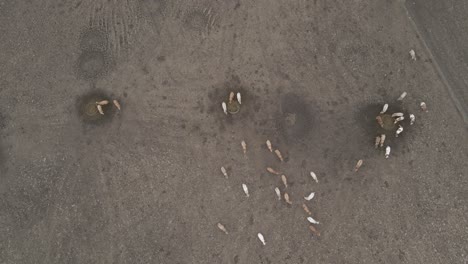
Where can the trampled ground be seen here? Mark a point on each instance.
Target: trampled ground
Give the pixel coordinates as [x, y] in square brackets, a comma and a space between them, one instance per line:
[143, 185]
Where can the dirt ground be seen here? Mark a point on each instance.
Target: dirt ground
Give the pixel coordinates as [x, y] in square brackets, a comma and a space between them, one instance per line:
[144, 185]
[444, 29]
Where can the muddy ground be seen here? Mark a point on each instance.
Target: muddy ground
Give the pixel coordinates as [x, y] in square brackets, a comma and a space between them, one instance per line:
[143, 185]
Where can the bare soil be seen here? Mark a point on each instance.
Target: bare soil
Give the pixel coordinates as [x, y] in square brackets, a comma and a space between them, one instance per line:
[146, 186]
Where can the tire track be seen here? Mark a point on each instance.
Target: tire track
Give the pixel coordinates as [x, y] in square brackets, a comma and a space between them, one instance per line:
[119, 18]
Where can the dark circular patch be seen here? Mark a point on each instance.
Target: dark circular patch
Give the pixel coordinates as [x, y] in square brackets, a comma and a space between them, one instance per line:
[93, 39]
[296, 120]
[388, 122]
[92, 64]
[366, 117]
[88, 111]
